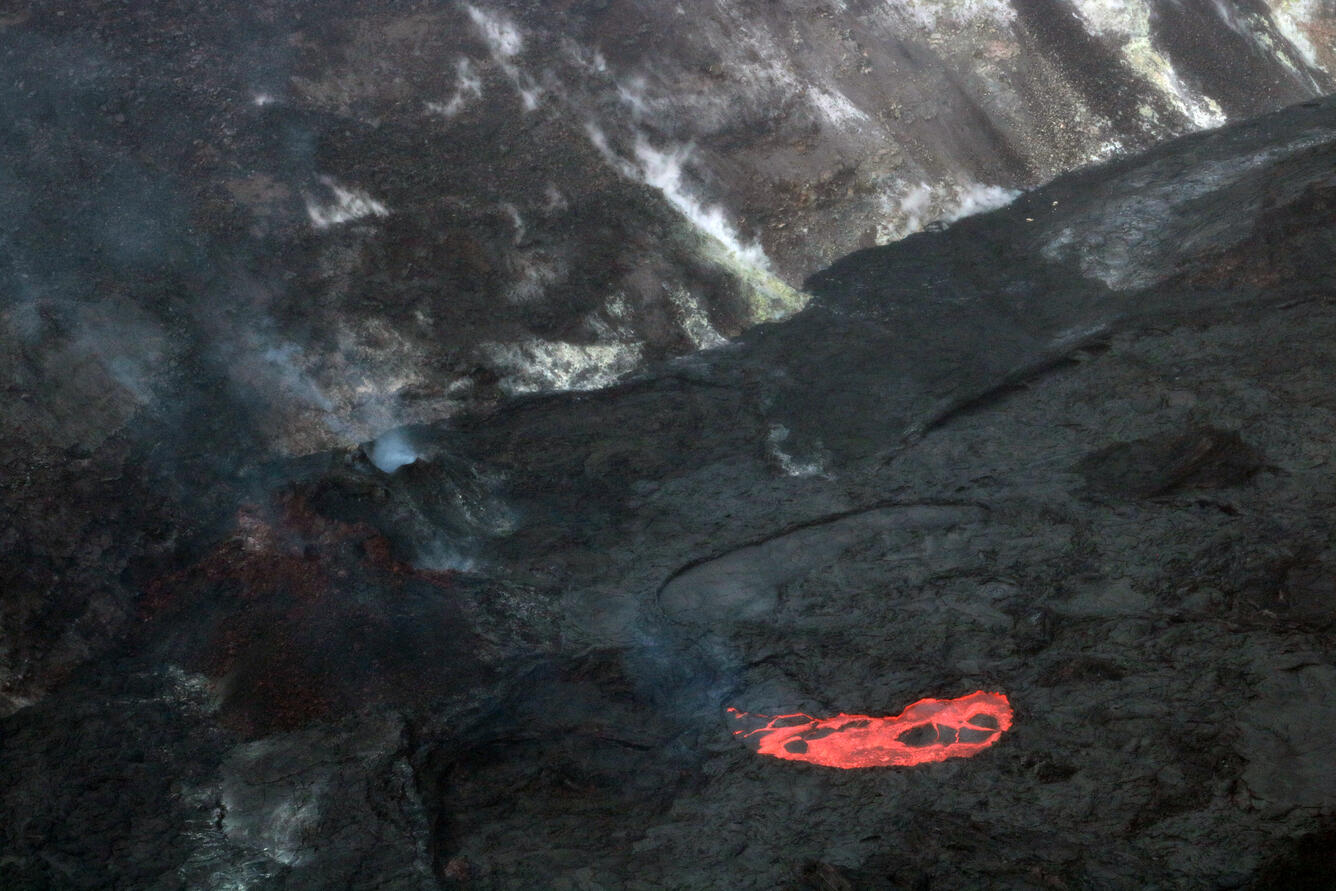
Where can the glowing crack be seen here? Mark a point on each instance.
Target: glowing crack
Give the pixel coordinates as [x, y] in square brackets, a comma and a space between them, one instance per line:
[930, 730]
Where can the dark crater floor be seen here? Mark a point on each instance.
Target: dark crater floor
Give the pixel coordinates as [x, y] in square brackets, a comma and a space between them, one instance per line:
[1078, 451]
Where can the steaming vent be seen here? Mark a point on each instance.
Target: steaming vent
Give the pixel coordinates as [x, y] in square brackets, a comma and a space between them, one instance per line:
[391, 451]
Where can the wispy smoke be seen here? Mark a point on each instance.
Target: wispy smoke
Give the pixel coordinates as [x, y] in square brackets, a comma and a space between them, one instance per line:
[284, 363]
[506, 42]
[349, 204]
[392, 450]
[664, 171]
[468, 86]
[911, 208]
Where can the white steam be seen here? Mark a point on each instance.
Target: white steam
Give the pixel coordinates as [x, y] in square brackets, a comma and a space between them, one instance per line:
[502, 37]
[285, 364]
[392, 450]
[339, 394]
[468, 86]
[663, 170]
[348, 205]
[913, 207]
[836, 107]
[442, 556]
[516, 220]
[505, 42]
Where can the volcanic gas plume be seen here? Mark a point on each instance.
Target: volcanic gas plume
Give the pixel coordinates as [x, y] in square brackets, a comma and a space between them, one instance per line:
[927, 731]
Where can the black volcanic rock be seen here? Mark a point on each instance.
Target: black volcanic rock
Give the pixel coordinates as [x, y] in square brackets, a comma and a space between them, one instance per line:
[1076, 450]
[1198, 459]
[241, 232]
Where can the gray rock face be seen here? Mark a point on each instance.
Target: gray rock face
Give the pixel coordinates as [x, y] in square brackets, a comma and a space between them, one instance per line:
[1075, 451]
[746, 582]
[1285, 738]
[354, 216]
[240, 233]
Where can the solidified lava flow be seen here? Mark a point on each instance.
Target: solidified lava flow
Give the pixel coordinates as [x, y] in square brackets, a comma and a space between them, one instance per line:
[927, 731]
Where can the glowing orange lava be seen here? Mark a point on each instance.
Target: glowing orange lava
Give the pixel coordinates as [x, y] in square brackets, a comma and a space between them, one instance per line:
[929, 730]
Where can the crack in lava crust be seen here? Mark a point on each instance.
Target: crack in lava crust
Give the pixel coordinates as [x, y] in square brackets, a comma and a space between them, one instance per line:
[929, 730]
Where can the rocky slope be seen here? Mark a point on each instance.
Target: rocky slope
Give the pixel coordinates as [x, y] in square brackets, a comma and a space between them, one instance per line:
[236, 232]
[359, 215]
[1076, 450]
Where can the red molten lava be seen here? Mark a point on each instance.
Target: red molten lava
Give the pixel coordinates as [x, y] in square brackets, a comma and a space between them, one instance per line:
[929, 730]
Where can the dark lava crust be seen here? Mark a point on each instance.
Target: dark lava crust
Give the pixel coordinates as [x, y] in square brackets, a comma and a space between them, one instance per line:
[1078, 450]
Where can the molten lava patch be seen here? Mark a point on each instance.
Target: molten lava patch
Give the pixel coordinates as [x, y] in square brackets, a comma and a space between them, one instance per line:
[929, 730]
